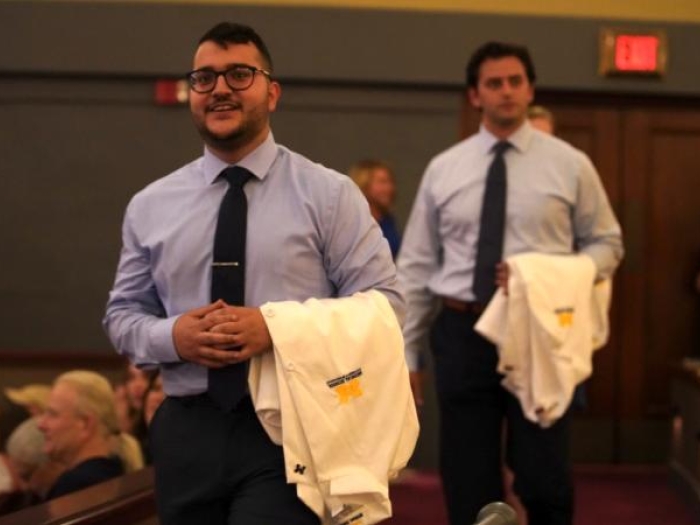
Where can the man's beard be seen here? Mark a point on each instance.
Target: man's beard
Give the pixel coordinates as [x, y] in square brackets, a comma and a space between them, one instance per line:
[248, 129]
[229, 142]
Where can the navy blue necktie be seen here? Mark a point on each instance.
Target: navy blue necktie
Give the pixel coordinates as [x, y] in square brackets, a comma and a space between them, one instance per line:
[492, 226]
[227, 385]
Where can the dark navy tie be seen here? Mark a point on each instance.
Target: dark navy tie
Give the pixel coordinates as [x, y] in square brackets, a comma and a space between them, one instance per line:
[492, 226]
[227, 385]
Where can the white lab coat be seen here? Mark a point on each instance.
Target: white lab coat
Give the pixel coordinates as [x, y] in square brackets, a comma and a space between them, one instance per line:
[336, 395]
[547, 329]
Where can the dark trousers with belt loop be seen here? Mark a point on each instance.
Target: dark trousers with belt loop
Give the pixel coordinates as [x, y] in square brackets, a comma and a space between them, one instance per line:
[216, 467]
[473, 408]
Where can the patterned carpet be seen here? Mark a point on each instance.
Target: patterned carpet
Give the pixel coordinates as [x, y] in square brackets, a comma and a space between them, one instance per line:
[605, 495]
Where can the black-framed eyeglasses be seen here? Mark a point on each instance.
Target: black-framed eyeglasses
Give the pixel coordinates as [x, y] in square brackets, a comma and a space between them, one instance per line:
[238, 78]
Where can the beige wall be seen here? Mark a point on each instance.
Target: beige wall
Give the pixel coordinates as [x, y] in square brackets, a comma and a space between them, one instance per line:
[647, 10]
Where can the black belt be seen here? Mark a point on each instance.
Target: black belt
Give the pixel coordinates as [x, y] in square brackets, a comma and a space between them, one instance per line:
[472, 307]
[204, 400]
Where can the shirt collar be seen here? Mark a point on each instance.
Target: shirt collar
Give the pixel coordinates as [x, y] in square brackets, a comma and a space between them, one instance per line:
[520, 138]
[258, 161]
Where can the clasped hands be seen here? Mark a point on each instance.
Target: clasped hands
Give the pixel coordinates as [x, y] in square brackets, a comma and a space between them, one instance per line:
[219, 334]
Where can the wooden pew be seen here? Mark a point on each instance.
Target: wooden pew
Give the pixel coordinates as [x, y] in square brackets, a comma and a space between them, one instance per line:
[684, 461]
[127, 500]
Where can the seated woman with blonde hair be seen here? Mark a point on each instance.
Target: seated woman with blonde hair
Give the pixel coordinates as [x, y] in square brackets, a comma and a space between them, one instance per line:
[81, 431]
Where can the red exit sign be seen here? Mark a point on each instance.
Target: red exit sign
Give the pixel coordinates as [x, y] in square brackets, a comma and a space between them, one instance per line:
[627, 52]
[636, 53]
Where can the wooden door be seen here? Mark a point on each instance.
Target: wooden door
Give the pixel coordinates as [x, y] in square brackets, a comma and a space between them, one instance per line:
[661, 177]
[596, 131]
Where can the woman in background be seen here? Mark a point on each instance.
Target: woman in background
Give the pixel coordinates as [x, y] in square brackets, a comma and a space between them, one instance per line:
[375, 179]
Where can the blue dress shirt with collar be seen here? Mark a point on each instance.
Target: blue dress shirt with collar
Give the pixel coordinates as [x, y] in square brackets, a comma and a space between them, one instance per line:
[310, 234]
[556, 204]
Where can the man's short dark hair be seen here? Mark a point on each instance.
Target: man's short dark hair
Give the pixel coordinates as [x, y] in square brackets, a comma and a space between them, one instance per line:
[496, 50]
[226, 33]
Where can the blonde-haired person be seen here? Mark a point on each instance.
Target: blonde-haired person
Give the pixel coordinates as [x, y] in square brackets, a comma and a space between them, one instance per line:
[376, 180]
[18, 405]
[32, 397]
[81, 430]
[541, 118]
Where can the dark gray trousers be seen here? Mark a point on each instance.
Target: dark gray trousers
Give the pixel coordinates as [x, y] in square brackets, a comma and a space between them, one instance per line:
[220, 468]
[473, 408]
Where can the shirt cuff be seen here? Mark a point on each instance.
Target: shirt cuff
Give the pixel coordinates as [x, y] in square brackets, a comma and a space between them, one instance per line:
[162, 346]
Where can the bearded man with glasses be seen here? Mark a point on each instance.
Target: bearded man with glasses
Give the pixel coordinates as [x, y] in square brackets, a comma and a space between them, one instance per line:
[307, 234]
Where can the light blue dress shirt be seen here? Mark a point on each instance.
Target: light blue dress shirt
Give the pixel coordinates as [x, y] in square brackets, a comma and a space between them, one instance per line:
[310, 234]
[556, 204]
